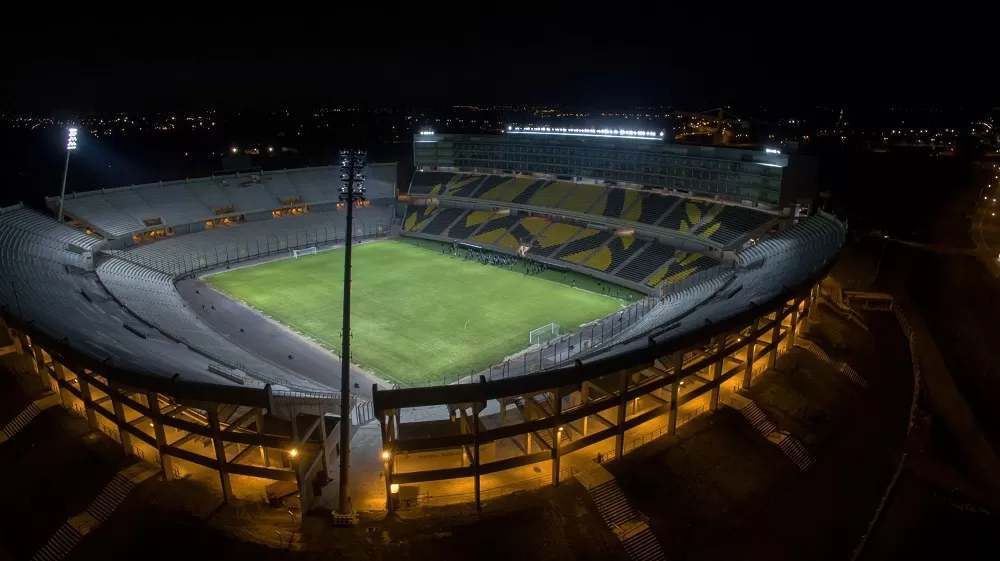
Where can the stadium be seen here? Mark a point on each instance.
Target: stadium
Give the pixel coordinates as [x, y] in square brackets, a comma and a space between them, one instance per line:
[530, 298]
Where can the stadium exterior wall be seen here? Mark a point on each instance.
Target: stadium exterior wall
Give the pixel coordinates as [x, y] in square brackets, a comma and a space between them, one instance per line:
[140, 411]
[650, 377]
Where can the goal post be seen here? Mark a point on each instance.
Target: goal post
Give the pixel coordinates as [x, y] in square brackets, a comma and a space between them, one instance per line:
[543, 334]
[296, 253]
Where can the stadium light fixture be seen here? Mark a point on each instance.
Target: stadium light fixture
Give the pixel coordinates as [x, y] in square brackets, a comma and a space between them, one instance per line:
[352, 167]
[394, 488]
[71, 133]
[591, 132]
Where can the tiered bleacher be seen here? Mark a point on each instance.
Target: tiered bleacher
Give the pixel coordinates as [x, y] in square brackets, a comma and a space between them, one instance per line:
[124, 210]
[71, 306]
[151, 296]
[225, 244]
[722, 224]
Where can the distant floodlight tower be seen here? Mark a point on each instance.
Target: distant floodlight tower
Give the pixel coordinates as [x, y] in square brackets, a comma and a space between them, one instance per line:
[352, 167]
[70, 146]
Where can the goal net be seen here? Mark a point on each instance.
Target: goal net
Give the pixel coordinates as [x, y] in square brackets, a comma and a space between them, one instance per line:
[543, 334]
[296, 253]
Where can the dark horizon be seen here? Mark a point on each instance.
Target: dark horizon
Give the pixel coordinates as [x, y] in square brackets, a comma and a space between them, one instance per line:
[872, 59]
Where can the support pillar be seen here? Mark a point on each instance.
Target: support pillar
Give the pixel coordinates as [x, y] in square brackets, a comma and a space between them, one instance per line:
[584, 398]
[751, 350]
[556, 435]
[814, 305]
[527, 441]
[475, 456]
[775, 333]
[622, 403]
[220, 453]
[116, 402]
[325, 448]
[675, 387]
[16, 338]
[265, 456]
[720, 348]
[88, 406]
[386, 459]
[59, 372]
[795, 324]
[161, 436]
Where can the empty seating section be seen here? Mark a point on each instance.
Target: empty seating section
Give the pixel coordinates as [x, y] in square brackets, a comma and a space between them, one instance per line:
[554, 235]
[582, 245]
[494, 231]
[424, 181]
[251, 196]
[225, 244]
[316, 187]
[524, 196]
[736, 222]
[211, 196]
[686, 215]
[582, 197]
[279, 186]
[463, 185]
[442, 220]
[33, 252]
[514, 188]
[683, 265]
[468, 224]
[128, 202]
[654, 206]
[151, 296]
[652, 257]
[418, 216]
[96, 210]
[616, 252]
[174, 204]
[490, 188]
[550, 195]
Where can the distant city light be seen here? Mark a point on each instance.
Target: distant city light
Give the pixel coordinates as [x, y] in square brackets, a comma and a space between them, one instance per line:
[606, 133]
[772, 151]
[235, 149]
[71, 141]
[270, 148]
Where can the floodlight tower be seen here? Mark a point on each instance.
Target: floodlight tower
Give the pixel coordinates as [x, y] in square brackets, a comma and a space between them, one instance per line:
[70, 146]
[352, 167]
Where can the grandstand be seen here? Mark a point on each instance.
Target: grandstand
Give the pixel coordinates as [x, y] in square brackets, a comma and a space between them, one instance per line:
[707, 239]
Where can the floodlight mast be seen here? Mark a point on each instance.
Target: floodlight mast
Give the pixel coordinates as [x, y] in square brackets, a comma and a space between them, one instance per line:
[70, 146]
[352, 164]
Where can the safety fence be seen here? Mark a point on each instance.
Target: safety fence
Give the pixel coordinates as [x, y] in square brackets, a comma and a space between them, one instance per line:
[195, 257]
[427, 499]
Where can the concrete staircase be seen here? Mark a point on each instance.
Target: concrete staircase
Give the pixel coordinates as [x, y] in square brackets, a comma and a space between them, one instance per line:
[791, 447]
[29, 413]
[630, 525]
[99, 511]
[841, 367]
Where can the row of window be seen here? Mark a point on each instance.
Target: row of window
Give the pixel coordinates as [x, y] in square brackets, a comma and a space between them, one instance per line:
[574, 155]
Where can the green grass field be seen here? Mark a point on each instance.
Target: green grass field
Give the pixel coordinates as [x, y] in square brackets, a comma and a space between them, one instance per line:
[418, 316]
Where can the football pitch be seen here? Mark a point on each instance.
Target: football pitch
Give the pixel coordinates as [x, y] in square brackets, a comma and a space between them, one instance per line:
[418, 316]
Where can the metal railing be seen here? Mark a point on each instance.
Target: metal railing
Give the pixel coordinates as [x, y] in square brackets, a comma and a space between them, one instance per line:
[180, 263]
[427, 499]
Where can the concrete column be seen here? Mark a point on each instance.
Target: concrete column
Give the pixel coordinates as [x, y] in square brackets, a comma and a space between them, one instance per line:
[795, 324]
[325, 447]
[584, 399]
[527, 441]
[386, 464]
[116, 402]
[59, 372]
[16, 338]
[161, 436]
[814, 305]
[88, 405]
[674, 389]
[751, 350]
[503, 411]
[622, 403]
[265, 456]
[720, 347]
[556, 435]
[475, 456]
[775, 332]
[220, 453]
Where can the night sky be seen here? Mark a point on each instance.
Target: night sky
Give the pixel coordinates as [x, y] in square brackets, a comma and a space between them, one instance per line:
[886, 57]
